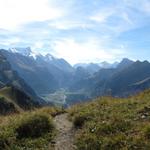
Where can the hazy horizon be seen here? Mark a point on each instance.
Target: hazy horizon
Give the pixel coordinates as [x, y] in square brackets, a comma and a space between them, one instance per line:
[78, 31]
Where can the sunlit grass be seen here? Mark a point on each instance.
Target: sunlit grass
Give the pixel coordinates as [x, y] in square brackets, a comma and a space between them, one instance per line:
[13, 129]
[113, 123]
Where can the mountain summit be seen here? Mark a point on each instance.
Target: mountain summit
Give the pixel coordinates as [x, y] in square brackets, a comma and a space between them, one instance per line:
[25, 52]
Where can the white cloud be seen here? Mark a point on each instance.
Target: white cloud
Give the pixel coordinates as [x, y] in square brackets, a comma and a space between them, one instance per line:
[141, 5]
[10, 41]
[114, 19]
[68, 24]
[88, 51]
[126, 18]
[39, 23]
[38, 45]
[146, 6]
[16, 12]
[102, 15]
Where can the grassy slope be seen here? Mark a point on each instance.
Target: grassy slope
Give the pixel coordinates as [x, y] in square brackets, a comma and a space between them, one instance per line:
[13, 104]
[20, 100]
[112, 123]
[6, 94]
[28, 123]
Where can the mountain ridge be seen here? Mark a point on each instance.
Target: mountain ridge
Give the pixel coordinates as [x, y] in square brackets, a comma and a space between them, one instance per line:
[47, 75]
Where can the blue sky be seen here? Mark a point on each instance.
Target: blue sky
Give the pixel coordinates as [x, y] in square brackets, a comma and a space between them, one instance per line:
[79, 31]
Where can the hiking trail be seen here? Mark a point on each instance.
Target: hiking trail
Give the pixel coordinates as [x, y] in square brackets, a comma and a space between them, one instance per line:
[65, 138]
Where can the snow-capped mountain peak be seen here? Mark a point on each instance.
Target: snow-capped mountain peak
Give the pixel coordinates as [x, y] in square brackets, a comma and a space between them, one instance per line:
[33, 54]
[49, 57]
[25, 51]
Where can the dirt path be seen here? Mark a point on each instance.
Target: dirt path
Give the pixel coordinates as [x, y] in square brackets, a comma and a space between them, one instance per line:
[65, 137]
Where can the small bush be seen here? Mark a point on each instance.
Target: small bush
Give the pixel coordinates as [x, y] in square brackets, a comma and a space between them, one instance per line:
[27, 130]
[34, 126]
[79, 121]
[3, 143]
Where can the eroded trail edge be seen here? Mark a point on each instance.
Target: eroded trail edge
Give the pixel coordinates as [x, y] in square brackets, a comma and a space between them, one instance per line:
[65, 137]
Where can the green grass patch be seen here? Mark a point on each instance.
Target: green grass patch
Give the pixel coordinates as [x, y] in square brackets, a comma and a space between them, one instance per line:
[29, 130]
[113, 124]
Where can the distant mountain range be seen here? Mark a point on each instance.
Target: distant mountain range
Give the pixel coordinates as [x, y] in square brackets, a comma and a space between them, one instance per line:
[94, 67]
[44, 74]
[40, 75]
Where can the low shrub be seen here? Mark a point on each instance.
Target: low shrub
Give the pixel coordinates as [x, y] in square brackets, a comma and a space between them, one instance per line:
[34, 126]
[30, 130]
[79, 121]
[3, 143]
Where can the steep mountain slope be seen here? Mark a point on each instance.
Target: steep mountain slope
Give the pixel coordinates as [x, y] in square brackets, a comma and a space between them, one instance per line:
[18, 97]
[8, 77]
[57, 62]
[120, 82]
[127, 79]
[60, 69]
[7, 107]
[45, 74]
[95, 84]
[15, 100]
[87, 84]
[38, 77]
[24, 51]
[124, 63]
[142, 85]
[95, 67]
[90, 68]
[107, 65]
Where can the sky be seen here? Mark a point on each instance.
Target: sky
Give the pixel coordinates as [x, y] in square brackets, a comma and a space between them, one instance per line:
[79, 31]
